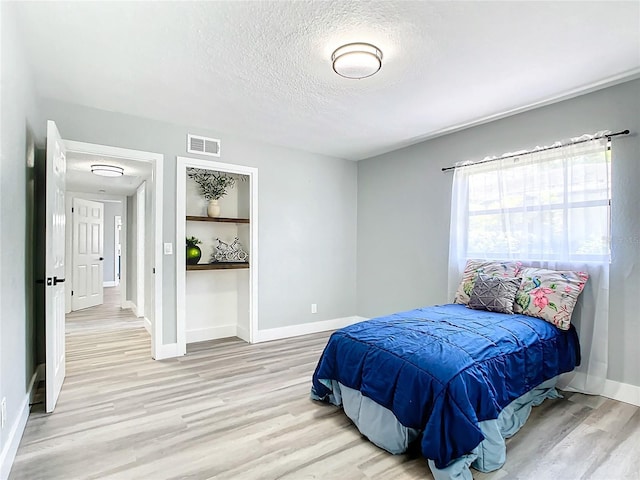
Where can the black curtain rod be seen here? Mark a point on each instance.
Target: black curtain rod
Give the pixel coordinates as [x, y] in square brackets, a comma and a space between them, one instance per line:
[623, 132]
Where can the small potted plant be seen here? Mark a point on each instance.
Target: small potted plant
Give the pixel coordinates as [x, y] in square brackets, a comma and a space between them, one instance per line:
[193, 251]
[213, 186]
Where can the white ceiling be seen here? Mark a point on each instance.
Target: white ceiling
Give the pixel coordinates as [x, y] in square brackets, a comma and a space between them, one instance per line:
[262, 69]
[80, 179]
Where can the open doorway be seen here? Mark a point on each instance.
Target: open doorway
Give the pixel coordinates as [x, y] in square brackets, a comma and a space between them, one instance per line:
[53, 176]
[226, 290]
[130, 224]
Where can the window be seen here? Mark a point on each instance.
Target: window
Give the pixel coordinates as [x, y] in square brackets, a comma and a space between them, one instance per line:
[549, 209]
[550, 205]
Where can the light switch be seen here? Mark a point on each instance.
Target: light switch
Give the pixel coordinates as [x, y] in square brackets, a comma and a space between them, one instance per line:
[168, 248]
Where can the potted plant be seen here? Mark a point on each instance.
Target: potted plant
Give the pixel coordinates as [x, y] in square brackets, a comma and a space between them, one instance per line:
[193, 251]
[213, 186]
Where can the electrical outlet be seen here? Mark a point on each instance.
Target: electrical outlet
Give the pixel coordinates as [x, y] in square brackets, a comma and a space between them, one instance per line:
[314, 308]
[168, 248]
[3, 412]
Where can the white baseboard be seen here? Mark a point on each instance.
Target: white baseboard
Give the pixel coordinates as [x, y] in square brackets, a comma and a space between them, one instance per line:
[211, 333]
[147, 325]
[8, 453]
[127, 304]
[304, 329]
[134, 309]
[170, 350]
[622, 392]
[109, 283]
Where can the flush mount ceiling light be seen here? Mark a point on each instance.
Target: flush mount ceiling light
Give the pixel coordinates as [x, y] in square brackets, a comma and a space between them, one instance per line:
[107, 170]
[357, 60]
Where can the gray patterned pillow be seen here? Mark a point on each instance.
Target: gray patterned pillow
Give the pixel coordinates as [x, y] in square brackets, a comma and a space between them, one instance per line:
[494, 294]
[495, 268]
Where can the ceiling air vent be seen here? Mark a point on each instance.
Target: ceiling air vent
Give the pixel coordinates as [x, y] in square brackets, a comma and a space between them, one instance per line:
[203, 145]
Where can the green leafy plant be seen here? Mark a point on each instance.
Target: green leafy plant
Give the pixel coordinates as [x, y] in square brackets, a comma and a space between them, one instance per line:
[193, 242]
[213, 185]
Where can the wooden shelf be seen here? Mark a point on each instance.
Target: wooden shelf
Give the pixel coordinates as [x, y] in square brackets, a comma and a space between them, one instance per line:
[218, 266]
[192, 218]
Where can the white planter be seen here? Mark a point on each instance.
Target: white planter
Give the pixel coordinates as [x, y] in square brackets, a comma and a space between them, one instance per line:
[213, 209]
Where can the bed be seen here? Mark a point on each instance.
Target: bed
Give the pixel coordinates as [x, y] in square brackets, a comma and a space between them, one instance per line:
[457, 380]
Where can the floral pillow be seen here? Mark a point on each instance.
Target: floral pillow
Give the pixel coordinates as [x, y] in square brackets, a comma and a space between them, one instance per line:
[549, 294]
[475, 267]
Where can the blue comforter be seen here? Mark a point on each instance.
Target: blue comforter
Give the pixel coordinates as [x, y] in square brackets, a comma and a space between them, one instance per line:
[445, 368]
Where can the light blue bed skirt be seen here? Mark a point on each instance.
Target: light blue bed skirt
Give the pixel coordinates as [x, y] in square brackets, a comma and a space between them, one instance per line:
[382, 428]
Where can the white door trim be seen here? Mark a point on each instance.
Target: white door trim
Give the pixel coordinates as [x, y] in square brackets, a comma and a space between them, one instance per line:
[124, 303]
[181, 178]
[157, 160]
[141, 240]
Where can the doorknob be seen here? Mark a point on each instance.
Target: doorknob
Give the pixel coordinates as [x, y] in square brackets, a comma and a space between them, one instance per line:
[57, 280]
[101, 258]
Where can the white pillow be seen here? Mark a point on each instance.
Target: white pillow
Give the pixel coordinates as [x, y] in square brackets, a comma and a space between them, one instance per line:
[549, 294]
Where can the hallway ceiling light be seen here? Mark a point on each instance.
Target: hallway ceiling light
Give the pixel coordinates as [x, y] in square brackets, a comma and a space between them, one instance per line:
[107, 170]
[357, 60]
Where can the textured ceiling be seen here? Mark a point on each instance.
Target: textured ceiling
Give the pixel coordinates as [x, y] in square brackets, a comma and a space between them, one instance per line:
[261, 69]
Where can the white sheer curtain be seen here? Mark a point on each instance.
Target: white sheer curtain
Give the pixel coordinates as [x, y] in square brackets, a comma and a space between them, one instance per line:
[547, 208]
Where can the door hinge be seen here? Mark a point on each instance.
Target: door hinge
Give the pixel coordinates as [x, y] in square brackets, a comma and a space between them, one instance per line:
[154, 269]
[72, 293]
[71, 209]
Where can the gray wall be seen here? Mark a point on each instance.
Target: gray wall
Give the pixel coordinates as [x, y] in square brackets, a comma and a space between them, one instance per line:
[111, 209]
[307, 209]
[404, 201]
[17, 324]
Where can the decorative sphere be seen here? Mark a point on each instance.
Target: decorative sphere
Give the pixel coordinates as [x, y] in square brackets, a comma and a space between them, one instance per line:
[193, 255]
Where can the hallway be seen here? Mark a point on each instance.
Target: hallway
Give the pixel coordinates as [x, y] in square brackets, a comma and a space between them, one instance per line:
[106, 317]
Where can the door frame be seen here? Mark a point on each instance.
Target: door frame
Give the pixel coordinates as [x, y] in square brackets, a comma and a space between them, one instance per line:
[104, 198]
[182, 163]
[157, 162]
[141, 239]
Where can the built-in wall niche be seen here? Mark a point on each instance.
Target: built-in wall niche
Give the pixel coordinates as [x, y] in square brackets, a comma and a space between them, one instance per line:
[217, 293]
[233, 220]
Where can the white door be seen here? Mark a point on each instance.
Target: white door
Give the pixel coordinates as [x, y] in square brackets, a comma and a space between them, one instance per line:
[54, 265]
[88, 254]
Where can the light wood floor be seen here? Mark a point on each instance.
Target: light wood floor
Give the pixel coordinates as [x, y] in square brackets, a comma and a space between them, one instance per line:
[106, 317]
[229, 410]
